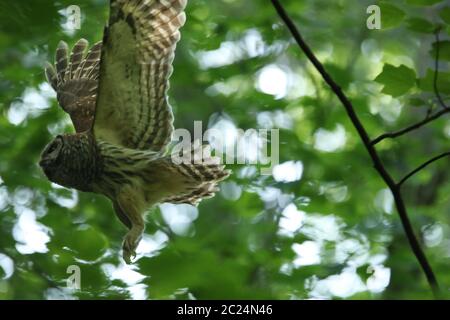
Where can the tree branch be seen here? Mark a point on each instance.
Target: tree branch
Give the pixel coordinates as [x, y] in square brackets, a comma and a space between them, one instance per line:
[422, 166]
[410, 128]
[414, 243]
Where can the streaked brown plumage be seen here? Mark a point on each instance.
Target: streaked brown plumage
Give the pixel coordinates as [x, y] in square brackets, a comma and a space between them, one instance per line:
[116, 96]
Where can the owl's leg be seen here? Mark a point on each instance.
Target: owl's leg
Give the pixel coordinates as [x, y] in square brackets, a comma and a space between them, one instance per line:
[126, 204]
[121, 215]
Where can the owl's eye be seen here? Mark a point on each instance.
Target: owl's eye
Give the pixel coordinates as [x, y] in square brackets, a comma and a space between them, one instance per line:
[54, 146]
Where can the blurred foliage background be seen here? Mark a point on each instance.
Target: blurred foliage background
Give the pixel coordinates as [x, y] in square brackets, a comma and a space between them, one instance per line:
[323, 225]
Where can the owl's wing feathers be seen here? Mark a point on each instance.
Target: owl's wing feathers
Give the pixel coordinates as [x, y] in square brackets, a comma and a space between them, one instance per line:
[138, 50]
[202, 171]
[75, 81]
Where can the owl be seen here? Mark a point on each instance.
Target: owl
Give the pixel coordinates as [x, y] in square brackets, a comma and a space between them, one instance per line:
[116, 97]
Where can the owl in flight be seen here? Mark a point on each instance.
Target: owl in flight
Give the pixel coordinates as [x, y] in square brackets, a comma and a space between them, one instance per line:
[116, 96]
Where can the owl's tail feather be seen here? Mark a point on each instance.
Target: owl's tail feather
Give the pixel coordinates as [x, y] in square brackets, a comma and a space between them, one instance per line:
[204, 173]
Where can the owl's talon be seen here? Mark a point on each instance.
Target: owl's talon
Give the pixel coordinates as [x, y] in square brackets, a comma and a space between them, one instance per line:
[127, 256]
[130, 244]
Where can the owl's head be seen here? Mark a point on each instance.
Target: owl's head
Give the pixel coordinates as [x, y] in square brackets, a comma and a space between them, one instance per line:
[51, 157]
[68, 160]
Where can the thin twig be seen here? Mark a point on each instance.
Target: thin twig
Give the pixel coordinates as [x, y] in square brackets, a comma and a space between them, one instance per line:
[410, 128]
[436, 72]
[422, 166]
[414, 243]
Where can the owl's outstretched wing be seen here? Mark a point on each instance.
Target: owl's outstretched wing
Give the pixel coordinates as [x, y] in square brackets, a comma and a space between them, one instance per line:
[138, 49]
[75, 81]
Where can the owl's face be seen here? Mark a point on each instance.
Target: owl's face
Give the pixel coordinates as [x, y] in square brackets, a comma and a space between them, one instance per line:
[69, 160]
[51, 159]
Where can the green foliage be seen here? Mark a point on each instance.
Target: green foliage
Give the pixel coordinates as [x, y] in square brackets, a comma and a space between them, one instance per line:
[423, 2]
[396, 80]
[391, 15]
[445, 14]
[444, 50]
[322, 226]
[420, 25]
[427, 82]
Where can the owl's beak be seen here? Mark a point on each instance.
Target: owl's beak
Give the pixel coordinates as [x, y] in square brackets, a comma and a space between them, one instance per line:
[43, 163]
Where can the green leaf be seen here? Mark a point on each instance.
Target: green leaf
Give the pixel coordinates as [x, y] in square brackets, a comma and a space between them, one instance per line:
[445, 14]
[423, 2]
[427, 83]
[444, 50]
[416, 102]
[391, 16]
[420, 25]
[396, 80]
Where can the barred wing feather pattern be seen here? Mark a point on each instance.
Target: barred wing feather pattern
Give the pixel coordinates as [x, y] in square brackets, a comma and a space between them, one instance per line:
[138, 51]
[75, 81]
